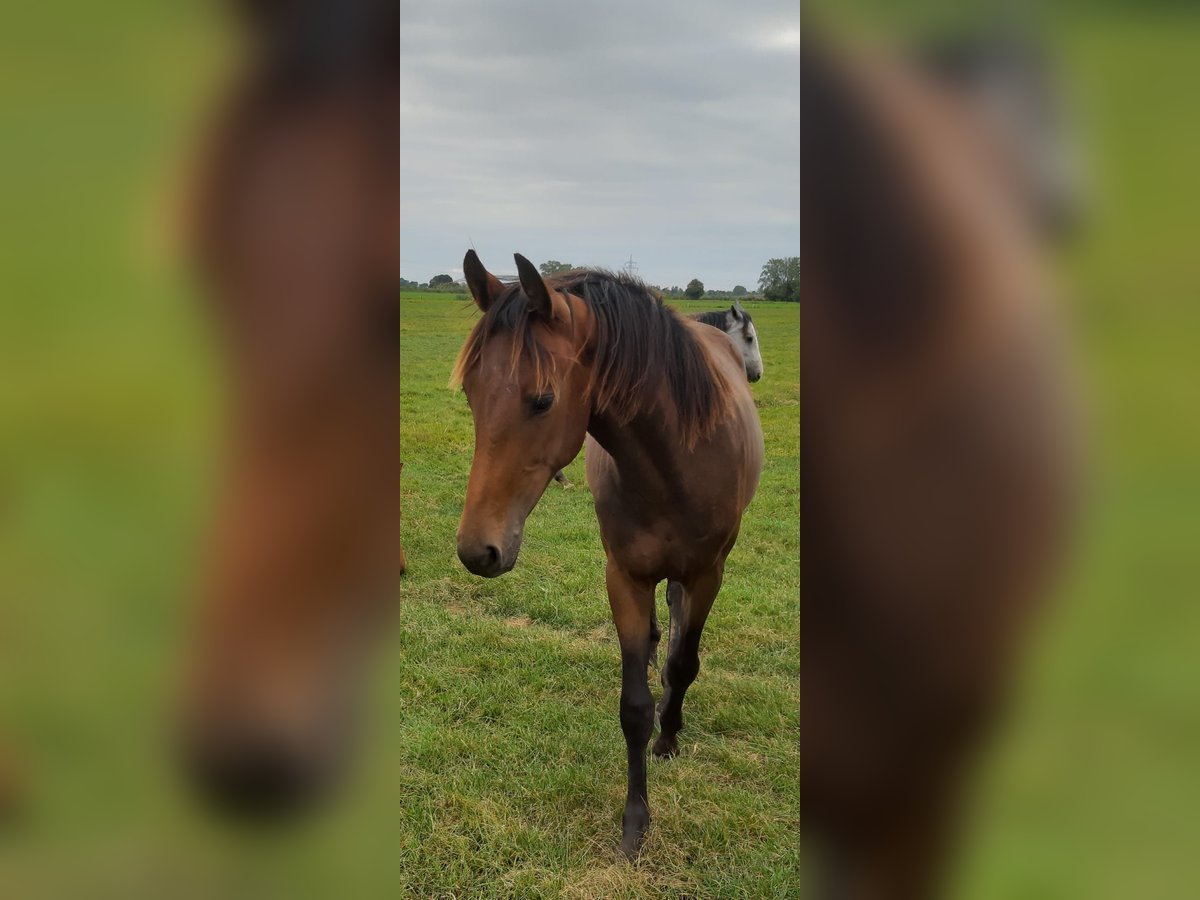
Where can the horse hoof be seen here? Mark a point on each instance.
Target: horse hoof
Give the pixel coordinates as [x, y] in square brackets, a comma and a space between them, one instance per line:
[631, 846]
[665, 747]
[634, 826]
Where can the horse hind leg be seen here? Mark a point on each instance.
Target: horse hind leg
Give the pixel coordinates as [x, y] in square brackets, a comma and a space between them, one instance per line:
[688, 609]
[655, 637]
[674, 618]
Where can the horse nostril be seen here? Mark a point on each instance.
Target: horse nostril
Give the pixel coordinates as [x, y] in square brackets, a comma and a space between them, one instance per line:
[492, 556]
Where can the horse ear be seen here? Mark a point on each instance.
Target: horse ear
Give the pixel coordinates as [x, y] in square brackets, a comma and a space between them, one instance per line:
[545, 302]
[737, 312]
[485, 287]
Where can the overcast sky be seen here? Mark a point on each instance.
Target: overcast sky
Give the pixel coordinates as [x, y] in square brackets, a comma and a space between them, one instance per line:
[589, 132]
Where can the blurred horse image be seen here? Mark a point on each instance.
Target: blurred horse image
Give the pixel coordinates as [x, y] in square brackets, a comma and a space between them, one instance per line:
[938, 461]
[296, 234]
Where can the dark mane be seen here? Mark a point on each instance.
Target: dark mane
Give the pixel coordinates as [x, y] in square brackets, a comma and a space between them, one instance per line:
[716, 318]
[640, 342]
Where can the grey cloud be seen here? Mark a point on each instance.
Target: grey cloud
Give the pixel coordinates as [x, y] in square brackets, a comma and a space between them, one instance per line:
[669, 131]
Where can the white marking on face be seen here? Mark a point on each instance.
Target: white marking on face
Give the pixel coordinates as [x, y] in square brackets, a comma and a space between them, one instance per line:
[751, 354]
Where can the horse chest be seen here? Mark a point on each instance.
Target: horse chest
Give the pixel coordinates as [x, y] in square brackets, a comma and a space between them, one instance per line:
[675, 542]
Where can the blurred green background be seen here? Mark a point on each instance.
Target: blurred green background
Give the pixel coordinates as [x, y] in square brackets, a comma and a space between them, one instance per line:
[107, 407]
[1092, 790]
[1095, 789]
[108, 403]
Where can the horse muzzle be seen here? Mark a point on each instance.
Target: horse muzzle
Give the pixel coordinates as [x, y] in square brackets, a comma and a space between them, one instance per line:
[485, 558]
[257, 774]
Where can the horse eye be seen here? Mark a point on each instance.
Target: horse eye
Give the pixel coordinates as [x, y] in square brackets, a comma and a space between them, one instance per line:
[749, 340]
[541, 403]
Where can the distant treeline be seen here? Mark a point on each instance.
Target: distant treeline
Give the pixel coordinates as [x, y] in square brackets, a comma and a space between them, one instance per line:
[450, 288]
[678, 293]
[779, 281]
[675, 293]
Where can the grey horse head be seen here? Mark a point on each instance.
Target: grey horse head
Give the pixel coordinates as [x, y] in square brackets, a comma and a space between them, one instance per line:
[736, 323]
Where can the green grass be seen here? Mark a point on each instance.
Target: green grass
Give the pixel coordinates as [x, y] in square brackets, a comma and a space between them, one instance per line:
[525, 674]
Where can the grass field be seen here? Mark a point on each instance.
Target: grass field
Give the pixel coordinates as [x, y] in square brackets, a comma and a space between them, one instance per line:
[532, 674]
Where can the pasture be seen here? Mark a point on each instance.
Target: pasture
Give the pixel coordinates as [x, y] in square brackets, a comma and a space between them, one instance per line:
[526, 677]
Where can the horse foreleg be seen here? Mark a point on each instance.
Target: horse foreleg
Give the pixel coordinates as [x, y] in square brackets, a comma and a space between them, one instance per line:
[632, 605]
[689, 606]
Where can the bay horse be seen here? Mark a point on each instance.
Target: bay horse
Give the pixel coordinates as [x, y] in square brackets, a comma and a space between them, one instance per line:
[674, 453]
[296, 233]
[937, 469]
[739, 326]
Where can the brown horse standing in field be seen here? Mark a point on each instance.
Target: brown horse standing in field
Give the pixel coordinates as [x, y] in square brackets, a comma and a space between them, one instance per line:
[674, 451]
[297, 232]
[937, 466]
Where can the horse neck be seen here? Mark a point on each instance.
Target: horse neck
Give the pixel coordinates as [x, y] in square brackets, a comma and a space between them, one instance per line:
[648, 449]
[646, 456]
